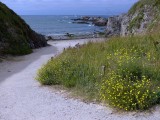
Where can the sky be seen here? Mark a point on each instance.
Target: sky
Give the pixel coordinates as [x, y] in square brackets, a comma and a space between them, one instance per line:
[69, 7]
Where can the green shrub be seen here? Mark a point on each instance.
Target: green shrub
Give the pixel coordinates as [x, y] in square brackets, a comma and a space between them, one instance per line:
[127, 94]
[67, 72]
[130, 86]
[111, 70]
[49, 74]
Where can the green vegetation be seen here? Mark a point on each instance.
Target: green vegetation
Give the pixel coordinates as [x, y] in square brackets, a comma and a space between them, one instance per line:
[136, 7]
[132, 85]
[138, 11]
[136, 22]
[139, 6]
[13, 32]
[16, 37]
[123, 72]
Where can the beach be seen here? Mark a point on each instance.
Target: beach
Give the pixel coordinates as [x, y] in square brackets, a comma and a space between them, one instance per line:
[23, 98]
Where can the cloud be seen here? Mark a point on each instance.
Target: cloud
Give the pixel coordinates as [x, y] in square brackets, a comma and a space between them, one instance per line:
[69, 6]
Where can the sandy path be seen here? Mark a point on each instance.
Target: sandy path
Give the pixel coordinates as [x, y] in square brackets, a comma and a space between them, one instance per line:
[23, 98]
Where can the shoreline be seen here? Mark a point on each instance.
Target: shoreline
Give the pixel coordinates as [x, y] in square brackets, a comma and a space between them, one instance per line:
[69, 36]
[85, 40]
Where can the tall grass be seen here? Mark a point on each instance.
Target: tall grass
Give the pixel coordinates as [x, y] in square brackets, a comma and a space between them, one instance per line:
[123, 72]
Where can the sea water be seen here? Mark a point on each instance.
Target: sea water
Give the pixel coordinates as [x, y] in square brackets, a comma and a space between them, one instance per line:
[59, 25]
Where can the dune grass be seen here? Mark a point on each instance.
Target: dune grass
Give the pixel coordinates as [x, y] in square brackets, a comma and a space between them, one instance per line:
[122, 72]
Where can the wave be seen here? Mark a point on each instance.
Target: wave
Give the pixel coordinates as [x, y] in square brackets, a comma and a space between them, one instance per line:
[90, 25]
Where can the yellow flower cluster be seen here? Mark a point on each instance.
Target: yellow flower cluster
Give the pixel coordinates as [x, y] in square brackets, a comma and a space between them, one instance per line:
[126, 94]
[126, 87]
[124, 71]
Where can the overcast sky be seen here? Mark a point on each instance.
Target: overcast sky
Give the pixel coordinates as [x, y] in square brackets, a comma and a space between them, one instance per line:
[69, 7]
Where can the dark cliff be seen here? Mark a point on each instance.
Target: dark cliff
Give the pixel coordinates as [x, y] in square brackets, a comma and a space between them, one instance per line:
[16, 37]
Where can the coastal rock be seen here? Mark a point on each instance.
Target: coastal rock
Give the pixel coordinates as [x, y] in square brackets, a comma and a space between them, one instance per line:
[81, 22]
[16, 37]
[138, 22]
[84, 18]
[49, 38]
[77, 19]
[69, 35]
[114, 26]
[97, 21]
[142, 17]
[100, 22]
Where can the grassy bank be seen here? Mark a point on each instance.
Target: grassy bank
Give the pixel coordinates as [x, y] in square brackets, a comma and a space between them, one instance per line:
[16, 37]
[123, 72]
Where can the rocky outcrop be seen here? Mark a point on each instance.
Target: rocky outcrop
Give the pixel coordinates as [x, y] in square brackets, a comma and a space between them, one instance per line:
[16, 37]
[100, 22]
[97, 21]
[138, 20]
[80, 22]
[114, 26]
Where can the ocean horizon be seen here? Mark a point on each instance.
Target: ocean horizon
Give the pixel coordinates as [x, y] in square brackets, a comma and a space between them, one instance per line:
[61, 24]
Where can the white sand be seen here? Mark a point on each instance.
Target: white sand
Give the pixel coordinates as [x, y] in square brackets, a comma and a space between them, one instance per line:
[23, 98]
